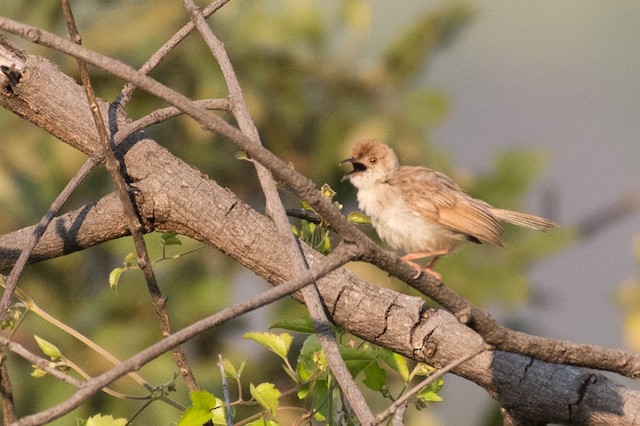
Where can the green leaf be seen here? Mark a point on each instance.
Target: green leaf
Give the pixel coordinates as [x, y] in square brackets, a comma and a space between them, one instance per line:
[267, 395]
[299, 325]
[38, 372]
[278, 344]
[396, 362]
[48, 349]
[374, 377]
[130, 260]
[321, 405]
[100, 420]
[359, 218]
[430, 392]
[204, 407]
[170, 239]
[357, 360]
[230, 370]
[114, 277]
[241, 155]
[311, 358]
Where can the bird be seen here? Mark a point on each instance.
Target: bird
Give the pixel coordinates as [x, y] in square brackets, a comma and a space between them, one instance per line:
[422, 211]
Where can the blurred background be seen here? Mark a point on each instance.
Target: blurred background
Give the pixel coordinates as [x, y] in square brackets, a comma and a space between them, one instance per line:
[530, 106]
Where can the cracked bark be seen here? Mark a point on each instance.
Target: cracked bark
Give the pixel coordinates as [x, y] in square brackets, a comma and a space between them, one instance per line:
[174, 197]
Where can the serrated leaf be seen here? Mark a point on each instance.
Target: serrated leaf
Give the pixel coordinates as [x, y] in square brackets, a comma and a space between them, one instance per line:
[374, 376]
[359, 218]
[170, 239]
[100, 420]
[278, 344]
[114, 277]
[267, 395]
[49, 349]
[299, 325]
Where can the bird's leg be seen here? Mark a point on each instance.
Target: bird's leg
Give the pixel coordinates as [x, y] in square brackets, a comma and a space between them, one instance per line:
[428, 269]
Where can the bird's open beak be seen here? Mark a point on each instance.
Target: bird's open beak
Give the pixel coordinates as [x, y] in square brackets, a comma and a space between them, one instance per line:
[357, 167]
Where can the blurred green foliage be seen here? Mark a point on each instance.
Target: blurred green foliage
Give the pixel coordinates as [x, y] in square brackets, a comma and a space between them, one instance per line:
[312, 93]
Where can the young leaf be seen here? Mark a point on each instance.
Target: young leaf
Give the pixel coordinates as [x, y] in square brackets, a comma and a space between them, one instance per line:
[170, 239]
[267, 395]
[114, 277]
[48, 349]
[38, 372]
[230, 370]
[100, 420]
[278, 344]
[130, 260]
[359, 218]
[430, 392]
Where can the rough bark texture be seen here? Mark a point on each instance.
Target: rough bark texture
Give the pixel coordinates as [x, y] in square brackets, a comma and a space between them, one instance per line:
[172, 196]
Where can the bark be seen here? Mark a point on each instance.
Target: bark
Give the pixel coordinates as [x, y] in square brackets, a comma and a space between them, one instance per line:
[172, 196]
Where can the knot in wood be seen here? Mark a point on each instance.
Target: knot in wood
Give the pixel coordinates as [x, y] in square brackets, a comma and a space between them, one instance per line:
[430, 350]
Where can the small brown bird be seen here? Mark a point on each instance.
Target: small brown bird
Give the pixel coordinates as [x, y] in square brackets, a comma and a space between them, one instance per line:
[422, 211]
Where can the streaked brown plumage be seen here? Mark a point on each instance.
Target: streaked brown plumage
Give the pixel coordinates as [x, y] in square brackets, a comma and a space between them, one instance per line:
[422, 211]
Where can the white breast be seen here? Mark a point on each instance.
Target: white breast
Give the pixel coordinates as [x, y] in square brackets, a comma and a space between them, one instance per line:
[398, 226]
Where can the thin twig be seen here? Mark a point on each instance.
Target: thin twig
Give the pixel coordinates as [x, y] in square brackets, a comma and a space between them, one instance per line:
[225, 392]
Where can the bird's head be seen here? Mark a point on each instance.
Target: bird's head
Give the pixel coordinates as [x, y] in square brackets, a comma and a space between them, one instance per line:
[372, 161]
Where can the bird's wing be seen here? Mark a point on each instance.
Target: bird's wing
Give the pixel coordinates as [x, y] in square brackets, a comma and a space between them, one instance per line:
[438, 199]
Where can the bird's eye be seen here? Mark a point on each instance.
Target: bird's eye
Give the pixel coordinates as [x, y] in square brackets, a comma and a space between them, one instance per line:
[373, 159]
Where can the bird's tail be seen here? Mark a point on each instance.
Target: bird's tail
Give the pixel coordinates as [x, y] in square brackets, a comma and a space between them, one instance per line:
[525, 220]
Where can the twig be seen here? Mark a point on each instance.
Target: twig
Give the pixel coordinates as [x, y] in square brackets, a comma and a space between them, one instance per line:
[135, 226]
[276, 211]
[40, 363]
[414, 391]
[225, 392]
